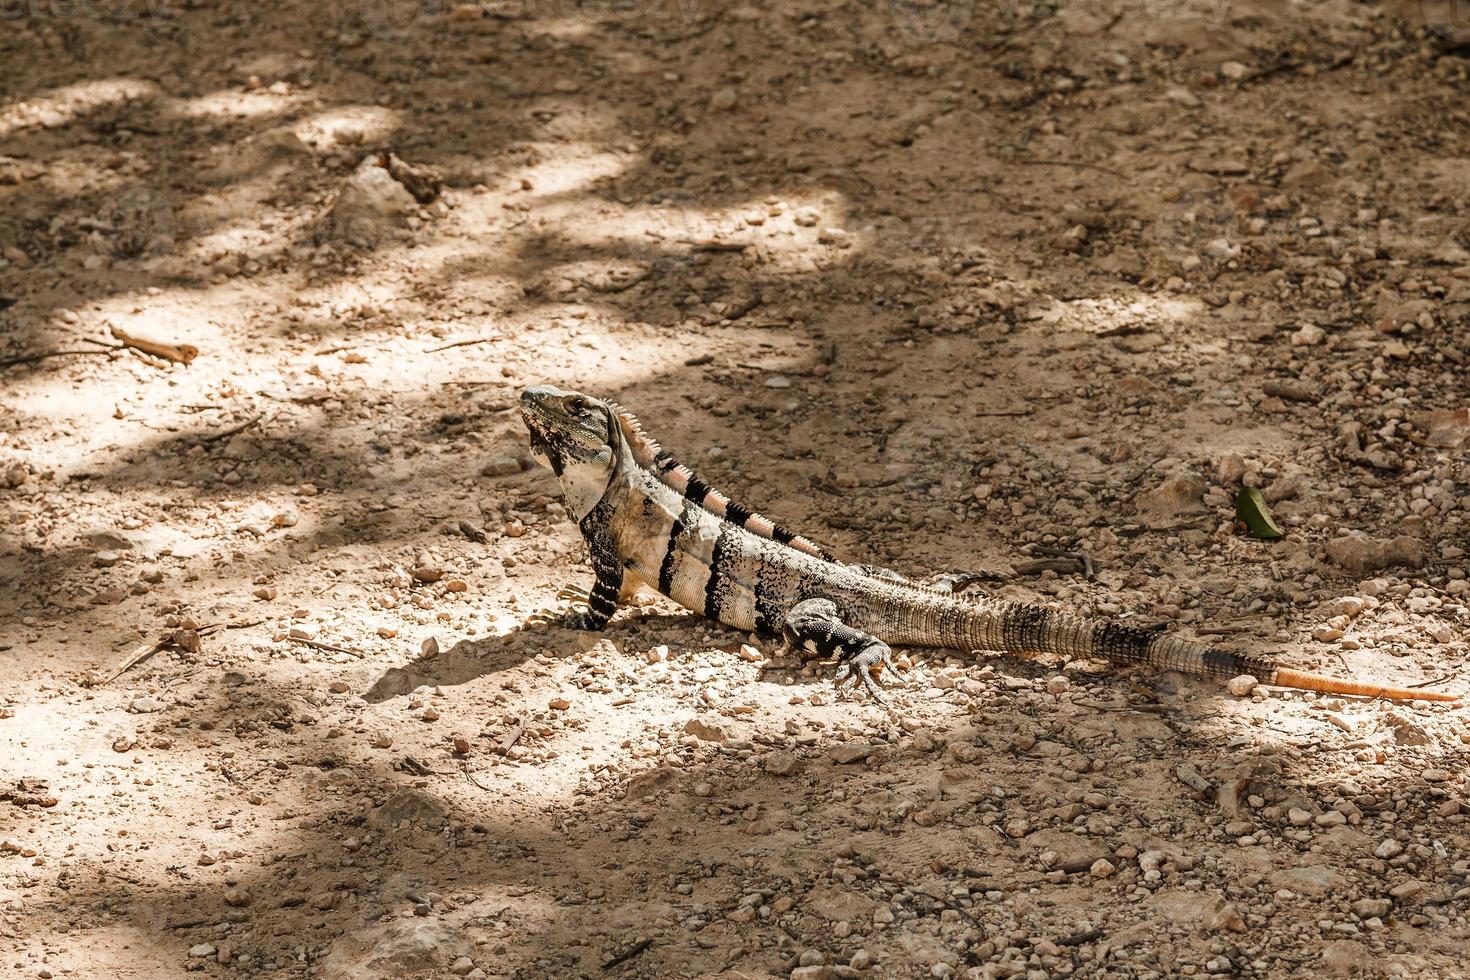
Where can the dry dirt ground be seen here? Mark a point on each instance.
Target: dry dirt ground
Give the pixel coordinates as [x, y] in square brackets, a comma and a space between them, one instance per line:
[934, 284]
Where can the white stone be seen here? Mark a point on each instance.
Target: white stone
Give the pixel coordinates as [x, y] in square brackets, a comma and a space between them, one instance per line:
[1242, 685]
[1388, 849]
[1309, 335]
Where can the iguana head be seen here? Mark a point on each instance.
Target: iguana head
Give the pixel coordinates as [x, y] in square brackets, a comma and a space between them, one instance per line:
[578, 437]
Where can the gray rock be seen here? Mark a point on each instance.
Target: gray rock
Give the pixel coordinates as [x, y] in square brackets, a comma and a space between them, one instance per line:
[707, 730]
[1314, 880]
[369, 205]
[782, 763]
[1390, 848]
[1360, 554]
[1346, 958]
[1368, 908]
[1179, 495]
[850, 752]
[397, 948]
[1230, 469]
[827, 972]
[412, 805]
[501, 466]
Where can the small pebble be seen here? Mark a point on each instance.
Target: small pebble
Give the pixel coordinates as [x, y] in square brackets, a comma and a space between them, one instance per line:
[1309, 335]
[1242, 685]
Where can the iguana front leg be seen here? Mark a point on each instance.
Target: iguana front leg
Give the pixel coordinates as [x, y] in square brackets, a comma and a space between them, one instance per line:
[814, 626]
[607, 565]
[601, 602]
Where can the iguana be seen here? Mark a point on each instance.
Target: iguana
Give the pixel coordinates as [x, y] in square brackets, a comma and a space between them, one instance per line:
[648, 520]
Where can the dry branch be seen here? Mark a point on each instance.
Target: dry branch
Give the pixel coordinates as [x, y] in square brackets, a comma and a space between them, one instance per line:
[461, 343]
[226, 433]
[177, 353]
[184, 639]
[322, 645]
[33, 358]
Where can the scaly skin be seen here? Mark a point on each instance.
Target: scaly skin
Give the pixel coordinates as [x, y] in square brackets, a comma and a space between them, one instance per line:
[649, 521]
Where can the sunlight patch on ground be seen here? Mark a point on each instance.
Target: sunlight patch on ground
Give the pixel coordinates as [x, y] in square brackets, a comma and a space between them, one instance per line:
[791, 230]
[569, 167]
[233, 104]
[248, 241]
[73, 174]
[63, 105]
[1111, 314]
[349, 125]
[56, 399]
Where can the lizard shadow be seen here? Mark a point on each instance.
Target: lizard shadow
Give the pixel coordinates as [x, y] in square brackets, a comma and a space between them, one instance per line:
[469, 660]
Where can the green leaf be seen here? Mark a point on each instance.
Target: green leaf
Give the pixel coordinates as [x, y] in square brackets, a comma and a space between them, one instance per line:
[1251, 510]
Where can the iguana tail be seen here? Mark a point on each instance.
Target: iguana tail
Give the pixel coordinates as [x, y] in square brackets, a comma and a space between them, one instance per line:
[1014, 627]
[1168, 652]
[1282, 677]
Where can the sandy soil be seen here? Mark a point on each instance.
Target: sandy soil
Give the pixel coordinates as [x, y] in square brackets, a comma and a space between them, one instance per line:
[934, 284]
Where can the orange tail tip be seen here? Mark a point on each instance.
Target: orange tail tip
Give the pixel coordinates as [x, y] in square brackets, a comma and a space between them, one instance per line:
[1331, 685]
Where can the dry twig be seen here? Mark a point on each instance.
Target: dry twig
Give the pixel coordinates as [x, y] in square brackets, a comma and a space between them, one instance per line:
[177, 353]
[320, 645]
[636, 949]
[226, 433]
[43, 355]
[1082, 164]
[184, 639]
[460, 343]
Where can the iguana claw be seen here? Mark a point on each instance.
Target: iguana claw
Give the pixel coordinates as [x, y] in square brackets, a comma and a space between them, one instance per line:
[571, 619]
[863, 666]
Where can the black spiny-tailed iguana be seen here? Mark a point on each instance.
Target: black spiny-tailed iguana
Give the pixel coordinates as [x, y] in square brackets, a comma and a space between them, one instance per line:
[649, 521]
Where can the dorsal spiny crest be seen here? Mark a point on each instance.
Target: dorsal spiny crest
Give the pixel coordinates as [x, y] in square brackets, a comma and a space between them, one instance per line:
[673, 474]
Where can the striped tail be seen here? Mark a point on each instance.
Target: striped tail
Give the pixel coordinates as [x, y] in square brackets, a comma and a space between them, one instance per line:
[1019, 628]
[681, 479]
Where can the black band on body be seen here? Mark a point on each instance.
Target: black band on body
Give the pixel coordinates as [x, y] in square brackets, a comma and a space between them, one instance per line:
[682, 526]
[716, 560]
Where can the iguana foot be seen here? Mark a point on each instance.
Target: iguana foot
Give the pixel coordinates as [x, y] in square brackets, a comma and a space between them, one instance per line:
[873, 664]
[572, 619]
[575, 618]
[957, 582]
[879, 572]
[575, 593]
[950, 583]
[814, 627]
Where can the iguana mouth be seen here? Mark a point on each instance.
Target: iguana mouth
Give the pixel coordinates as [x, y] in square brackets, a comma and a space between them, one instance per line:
[553, 431]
